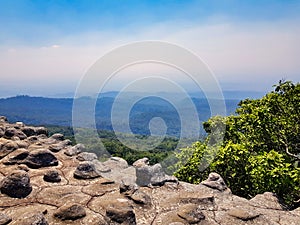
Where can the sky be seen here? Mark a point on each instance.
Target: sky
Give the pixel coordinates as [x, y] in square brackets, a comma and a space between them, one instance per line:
[46, 47]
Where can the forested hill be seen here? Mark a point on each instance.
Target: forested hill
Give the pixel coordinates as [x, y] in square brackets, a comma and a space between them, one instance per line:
[58, 111]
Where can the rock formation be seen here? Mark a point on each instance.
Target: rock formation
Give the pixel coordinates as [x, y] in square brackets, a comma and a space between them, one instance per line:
[44, 180]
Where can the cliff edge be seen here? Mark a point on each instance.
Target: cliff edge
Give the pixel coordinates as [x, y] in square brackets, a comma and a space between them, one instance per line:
[46, 180]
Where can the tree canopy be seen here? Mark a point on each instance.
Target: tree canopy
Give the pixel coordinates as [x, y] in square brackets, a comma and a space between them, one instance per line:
[261, 147]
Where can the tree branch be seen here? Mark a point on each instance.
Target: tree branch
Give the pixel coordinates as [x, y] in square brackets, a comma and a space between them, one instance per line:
[287, 148]
[290, 154]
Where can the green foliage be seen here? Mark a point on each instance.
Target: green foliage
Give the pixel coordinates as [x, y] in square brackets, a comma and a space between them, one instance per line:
[108, 144]
[66, 131]
[261, 146]
[271, 171]
[189, 161]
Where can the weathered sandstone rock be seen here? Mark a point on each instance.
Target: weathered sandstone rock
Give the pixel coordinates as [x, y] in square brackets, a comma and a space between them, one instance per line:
[44, 180]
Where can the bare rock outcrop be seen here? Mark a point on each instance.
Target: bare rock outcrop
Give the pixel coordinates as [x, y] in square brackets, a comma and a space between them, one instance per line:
[44, 180]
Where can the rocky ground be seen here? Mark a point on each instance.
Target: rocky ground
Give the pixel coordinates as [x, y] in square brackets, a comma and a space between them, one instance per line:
[45, 180]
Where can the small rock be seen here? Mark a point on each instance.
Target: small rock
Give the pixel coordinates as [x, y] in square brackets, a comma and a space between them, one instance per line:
[41, 131]
[86, 156]
[66, 142]
[128, 189]
[29, 131]
[116, 163]
[121, 214]
[215, 181]
[86, 170]
[267, 200]
[1, 132]
[7, 147]
[58, 137]
[75, 150]
[33, 139]
[52, 176]
[23, 167]
[152, 175]
[15, 138]
[242, 214]
[56, 147]
[22, 144]
[34, 219]
[41, 158]
[59, 146]
[3, 119]
[11, 132]
[140, 197]
[42, 136]
[141, 162]
[101, 167]
[20, 135]
[32, 131]
[143, 176]
[4, 219]
[16, 185]
[70, 212]
[16, 157]
[191, 213]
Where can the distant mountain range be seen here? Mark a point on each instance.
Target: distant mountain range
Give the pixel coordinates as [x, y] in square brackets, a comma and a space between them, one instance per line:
[227, 94]
[58, 111]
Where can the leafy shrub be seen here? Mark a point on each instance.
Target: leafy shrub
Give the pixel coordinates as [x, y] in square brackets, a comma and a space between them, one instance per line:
[260, 150]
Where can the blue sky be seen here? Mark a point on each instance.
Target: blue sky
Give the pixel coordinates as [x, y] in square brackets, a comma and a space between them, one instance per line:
[47, 46]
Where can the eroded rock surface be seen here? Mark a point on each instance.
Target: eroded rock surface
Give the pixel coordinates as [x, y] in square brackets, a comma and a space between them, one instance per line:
[44, 180]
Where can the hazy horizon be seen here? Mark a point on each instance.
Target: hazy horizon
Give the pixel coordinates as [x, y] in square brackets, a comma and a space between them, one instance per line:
[46, 47]
[227, 94]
